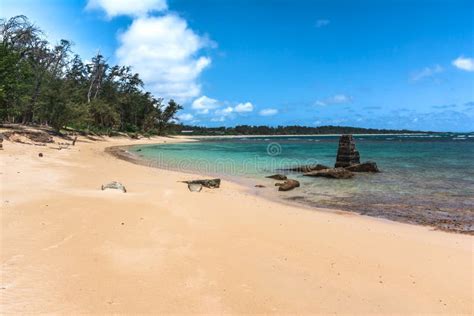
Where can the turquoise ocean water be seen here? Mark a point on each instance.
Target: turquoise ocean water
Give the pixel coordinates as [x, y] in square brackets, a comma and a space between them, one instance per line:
[425, 179]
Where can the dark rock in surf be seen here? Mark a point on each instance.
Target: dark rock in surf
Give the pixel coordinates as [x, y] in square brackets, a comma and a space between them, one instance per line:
[368, 166]
[347, 154]
[334, 173]
[278, 176]
[288, 185]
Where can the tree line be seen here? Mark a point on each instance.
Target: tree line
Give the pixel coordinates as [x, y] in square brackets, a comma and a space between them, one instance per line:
[48, 84]
[279, 130]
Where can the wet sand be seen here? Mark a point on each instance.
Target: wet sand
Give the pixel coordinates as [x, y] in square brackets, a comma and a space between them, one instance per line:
[68, 247]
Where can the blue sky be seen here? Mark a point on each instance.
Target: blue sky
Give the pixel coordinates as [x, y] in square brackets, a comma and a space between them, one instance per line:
[383, 64]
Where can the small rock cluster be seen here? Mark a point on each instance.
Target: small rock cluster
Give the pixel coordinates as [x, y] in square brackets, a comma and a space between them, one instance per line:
[347, 163]
[287, 185]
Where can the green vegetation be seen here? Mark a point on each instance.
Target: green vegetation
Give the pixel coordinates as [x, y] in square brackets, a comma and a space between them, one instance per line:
[279, 130]
[44, 84]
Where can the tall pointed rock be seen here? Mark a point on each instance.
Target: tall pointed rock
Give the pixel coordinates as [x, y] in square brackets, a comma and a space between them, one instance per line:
[347, 154]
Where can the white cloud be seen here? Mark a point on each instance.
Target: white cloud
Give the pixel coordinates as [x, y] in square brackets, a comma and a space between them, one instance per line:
[203, 104]
[164, 51]
[185, 117]
[464, 63]
[227, 110]
[230, 112]
[322, 22]
[340, 98]
[426, 72]
[268, 112]
[218, 119]
[244, 107]
[221, 115]
[126, 7]
[335, 99]
[219, 111]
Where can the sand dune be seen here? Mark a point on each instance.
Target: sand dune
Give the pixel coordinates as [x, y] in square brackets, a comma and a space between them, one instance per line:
[68, 247]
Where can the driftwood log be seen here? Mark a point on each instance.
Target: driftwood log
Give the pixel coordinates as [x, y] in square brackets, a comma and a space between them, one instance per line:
[208, 183]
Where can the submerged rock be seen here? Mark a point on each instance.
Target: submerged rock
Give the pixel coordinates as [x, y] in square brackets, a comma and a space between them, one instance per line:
[347, 154]
[368, 166]
[307, 168]
[334, 173]
[114, 185]
[278, 176]
[195, 187]
[288, 185]
[208, 183]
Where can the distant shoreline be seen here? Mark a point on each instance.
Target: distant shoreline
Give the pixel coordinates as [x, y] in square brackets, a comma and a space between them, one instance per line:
[299, 135]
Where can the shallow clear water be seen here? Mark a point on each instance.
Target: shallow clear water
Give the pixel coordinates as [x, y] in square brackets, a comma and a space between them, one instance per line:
[426, 178]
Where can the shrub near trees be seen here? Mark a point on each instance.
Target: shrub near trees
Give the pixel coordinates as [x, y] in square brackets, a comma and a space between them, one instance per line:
[44, 84]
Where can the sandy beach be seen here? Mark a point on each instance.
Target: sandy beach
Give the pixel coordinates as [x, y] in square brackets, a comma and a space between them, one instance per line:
[69, 247]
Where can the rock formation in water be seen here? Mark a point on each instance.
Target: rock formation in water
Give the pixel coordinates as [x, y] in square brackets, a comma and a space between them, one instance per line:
[347, 154]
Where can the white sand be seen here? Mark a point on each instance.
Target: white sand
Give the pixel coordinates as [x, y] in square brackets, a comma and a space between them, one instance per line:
[68, 247]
